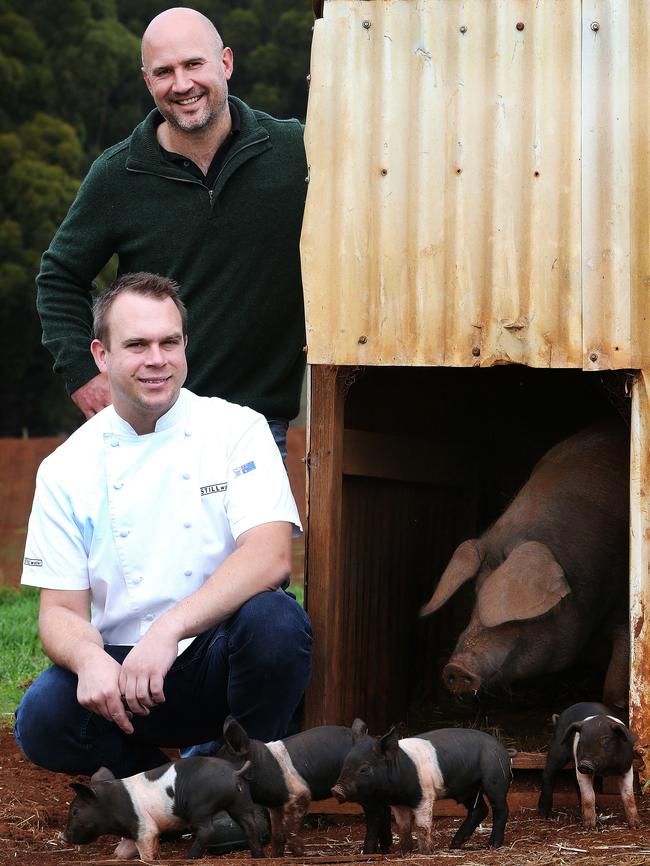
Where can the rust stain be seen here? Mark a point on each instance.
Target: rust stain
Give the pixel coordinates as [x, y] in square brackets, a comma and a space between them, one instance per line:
[640, 622]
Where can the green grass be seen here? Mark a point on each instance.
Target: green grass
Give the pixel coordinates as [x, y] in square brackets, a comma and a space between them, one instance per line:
[20, 647]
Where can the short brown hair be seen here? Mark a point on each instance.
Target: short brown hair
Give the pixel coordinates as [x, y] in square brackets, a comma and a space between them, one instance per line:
[140, 283]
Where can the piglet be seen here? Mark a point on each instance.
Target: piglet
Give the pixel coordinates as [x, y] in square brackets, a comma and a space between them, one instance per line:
[187, 793]
[601, 745]
[409, 775]
[288, 774]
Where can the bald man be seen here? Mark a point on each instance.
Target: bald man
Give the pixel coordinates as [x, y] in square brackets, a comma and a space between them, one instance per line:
[210, 193]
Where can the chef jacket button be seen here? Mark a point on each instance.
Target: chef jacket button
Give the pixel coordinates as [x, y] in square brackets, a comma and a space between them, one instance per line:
[188, 572]
[187, 524]
[124, 533]
[115, 443]
[118, 485]
[137, 578]
[186, 476]
[188, 432]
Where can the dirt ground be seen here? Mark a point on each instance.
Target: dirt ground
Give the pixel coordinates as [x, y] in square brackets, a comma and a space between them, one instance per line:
[34, 805]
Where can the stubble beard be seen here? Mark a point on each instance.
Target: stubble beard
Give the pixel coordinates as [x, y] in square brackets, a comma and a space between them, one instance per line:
[211, 115]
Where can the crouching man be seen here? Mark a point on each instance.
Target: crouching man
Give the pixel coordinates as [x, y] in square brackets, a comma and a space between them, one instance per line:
[160, 536]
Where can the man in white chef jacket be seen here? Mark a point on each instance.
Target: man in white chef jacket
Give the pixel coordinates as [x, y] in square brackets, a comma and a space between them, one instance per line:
[160, 536]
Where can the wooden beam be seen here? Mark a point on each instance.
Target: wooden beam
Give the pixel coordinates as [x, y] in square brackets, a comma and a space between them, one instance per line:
[323, 571]
[640, 569]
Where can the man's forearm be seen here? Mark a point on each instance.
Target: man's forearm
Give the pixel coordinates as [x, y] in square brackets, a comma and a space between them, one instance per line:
[68, 640]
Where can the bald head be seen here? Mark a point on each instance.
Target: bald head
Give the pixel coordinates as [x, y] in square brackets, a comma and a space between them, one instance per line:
[177, 24]
[187, 69]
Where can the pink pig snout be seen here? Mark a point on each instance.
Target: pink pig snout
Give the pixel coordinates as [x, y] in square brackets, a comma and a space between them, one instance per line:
[459, 681]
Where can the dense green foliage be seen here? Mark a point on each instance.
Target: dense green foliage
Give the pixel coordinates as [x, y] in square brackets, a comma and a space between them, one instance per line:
[71, 85]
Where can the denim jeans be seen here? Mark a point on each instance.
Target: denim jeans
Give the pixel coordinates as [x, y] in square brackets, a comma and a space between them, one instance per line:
[255, 665]
[279, 427]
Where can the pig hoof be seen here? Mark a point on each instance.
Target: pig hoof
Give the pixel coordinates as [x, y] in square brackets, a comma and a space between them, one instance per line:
[126, 850]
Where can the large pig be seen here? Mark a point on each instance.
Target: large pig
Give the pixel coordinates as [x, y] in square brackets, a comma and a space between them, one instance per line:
[187, 793]
[409, 775]
[286, 775]
[549, 572]
[601, 745]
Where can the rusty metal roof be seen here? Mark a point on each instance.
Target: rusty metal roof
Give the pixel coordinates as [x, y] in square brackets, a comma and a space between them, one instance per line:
[478, 183]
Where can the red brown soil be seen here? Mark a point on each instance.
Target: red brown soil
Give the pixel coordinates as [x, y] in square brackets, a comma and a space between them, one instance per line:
[34, 805]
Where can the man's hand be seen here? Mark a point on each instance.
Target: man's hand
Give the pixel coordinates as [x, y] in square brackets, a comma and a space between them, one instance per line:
[99, 690]
[94, 396]
[143, 670]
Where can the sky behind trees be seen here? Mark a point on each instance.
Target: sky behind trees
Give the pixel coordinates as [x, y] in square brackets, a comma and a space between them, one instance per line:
[71, 86]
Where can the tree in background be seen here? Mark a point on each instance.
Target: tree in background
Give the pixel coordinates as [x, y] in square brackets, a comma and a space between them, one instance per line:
[69, 75]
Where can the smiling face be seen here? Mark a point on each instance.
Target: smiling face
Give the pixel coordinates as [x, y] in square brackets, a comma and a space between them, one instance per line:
[144, 358]
[187, 70]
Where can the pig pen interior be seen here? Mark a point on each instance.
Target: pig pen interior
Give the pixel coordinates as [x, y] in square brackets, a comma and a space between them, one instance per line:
[428, 458]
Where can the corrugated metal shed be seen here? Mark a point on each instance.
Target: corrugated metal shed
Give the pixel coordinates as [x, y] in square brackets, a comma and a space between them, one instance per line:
[478, 183]
[479, 194]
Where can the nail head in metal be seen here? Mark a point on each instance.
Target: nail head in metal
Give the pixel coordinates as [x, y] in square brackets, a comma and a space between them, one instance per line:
[520, 25]
[595, 26]
[476, 351]
[366, 25]
[593, 357]
[463, 28]
[363, 339]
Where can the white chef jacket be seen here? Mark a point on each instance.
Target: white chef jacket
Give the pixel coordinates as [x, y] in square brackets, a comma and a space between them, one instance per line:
[143, 521]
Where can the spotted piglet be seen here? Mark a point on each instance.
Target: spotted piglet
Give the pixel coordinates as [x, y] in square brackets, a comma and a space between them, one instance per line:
[187, 793]
[601, 745]
[286, 775]
[409, 775]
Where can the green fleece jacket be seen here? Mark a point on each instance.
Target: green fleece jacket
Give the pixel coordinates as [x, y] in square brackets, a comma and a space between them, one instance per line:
[234, 250]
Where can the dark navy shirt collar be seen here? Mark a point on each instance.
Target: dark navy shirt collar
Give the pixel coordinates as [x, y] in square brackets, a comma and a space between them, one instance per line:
[217, 160]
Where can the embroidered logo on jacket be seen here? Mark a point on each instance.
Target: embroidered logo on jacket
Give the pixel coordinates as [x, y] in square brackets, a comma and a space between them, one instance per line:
[247, 467]
[38, 563]
[214, 488]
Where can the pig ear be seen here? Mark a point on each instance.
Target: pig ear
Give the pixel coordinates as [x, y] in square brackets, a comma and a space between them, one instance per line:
[624, 732]
[84, 791]
[462, 567]
[235, 736]
[388, 744]
[359, 729]
[527, 585]
[245, 772]
[102, 775]
[575, 728]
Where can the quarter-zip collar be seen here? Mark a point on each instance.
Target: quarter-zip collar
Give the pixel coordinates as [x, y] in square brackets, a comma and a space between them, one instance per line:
[145, 156]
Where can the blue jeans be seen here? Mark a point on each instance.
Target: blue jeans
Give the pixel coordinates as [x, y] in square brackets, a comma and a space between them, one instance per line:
[279, 427]
[255, 665]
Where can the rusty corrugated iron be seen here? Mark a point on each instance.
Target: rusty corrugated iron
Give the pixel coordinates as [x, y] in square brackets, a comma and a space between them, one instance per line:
[478, 183]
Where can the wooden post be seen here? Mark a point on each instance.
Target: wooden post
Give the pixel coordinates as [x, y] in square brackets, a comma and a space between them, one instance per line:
[323, 559]
[640, 570]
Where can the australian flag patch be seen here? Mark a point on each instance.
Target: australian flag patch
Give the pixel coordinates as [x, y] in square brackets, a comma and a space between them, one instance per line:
[247, 467]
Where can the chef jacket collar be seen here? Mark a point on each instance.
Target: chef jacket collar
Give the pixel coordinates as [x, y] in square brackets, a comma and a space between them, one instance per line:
[174, 416]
